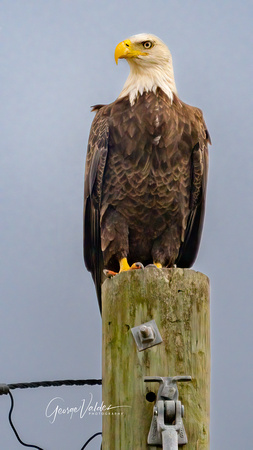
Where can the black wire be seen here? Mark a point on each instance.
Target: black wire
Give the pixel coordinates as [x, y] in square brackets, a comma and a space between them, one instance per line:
[5, 389]
[14, 429]
[36, 384]
[92, 437]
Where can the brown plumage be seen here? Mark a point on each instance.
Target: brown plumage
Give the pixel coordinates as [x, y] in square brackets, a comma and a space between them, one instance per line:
[145, 183]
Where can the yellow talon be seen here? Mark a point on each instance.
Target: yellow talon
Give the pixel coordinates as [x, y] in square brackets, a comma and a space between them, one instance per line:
[123, 264]
[159, 265]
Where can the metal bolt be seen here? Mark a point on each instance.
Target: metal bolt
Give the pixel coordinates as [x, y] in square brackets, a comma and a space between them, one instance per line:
[145, 331]
[146, 335]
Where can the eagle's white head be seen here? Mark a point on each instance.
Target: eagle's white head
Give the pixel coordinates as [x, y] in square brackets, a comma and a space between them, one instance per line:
[150, 64]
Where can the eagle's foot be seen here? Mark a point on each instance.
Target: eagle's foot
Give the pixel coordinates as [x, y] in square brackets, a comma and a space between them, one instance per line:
[109, 273]
[124, 266]
[157, 265]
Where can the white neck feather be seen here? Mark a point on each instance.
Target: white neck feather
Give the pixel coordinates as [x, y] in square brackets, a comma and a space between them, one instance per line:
[148, 78]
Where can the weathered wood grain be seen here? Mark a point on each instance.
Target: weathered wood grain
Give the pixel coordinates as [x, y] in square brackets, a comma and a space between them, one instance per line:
[178, 300]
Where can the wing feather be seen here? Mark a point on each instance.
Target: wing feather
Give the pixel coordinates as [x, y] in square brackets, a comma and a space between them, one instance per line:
[189, 248]
[95, 166]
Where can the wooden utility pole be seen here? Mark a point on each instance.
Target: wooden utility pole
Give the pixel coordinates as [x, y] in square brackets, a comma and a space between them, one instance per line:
[178, 300]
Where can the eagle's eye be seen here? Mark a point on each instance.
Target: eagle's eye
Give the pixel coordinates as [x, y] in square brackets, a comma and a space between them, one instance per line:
[147, 44]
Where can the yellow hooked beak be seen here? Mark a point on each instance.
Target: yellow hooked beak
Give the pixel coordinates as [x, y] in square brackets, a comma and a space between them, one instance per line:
[125, 49]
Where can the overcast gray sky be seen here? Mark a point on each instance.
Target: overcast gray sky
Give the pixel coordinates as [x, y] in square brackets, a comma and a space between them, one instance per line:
[56, 60]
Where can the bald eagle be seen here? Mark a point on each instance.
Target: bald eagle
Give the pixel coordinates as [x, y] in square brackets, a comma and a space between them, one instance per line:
[146, 170]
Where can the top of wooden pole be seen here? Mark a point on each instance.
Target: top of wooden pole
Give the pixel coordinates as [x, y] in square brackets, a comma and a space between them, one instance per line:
[152, 281]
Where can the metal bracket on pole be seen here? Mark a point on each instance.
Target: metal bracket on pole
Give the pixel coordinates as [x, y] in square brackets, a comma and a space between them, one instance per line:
[167, 428]
[146, 335]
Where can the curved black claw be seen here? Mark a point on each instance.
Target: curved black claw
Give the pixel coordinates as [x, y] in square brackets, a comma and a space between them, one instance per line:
[137, 265]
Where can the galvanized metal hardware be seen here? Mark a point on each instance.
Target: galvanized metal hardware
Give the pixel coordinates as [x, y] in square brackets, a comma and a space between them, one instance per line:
[167, 428]
[146, 335]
